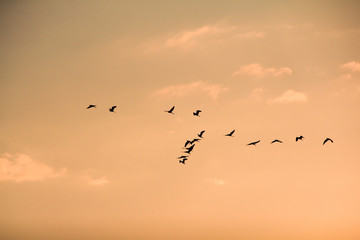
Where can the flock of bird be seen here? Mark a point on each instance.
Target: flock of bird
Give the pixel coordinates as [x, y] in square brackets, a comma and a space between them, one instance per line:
[189, 149]
[191, 143]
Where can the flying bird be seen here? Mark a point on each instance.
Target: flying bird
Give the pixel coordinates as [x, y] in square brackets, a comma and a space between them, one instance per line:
[112, 108]
[182, 157]
[197, 113]
[187, 142]
[91, 106]
[327, 139]
[189, 149]
[299, 138]
[201, 133]
[183, 160]
[195, 140]
[276, 140]
[171, 110]
[254, 143]
[230, 134]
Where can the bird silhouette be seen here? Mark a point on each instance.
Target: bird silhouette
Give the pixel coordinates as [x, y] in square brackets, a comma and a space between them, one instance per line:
[328, 139]
[183, 160]
[276, 140]
[112, 108]
[253, 143]
[171, 110]
[197, 113]
[189, 149]
[299, 138]
[201, 133]
[187, 142]
[182, 157]
[195, 140]
[91, 106]
[230, 134]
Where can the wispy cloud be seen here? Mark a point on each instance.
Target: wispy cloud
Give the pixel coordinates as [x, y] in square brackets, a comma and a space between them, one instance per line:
[22, 168]
[251, 35]
[352, 66]
[212, 90]
[257, 94]
[258, 71]
[216, 181]
[290, 96]
[97, 181]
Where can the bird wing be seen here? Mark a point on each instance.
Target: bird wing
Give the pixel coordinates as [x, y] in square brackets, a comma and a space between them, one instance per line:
[232, 132]
[172, 109]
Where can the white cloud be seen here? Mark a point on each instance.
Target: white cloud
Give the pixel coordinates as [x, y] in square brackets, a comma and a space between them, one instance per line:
[290, 96]
[257, 94]
[257, 70]
[216, 181]
[97, 181]
[351, 66]
[212, 90]
[22, 168]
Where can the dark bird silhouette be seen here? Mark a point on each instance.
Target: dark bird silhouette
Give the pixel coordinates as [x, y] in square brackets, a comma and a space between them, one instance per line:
[187, 142]
[328, 139]
[201, 133]
[189, 149]
[91, 106]
[112, 108]
[276, 140]
[182, 157]
[195, 140]
[299, 138]
[183, 160]
[230, 134]
[254, 143]
[197, 113]
[171, 110]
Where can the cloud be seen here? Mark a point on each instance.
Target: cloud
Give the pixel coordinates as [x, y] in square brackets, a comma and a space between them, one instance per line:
[22, 168]
[97, 181]
[257, 93]
[251, 35]
[212, 90]
[258, 71]
[290, 96]
[351, 66]
[216, 181]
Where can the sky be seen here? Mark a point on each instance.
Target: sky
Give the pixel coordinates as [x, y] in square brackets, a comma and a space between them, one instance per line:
[266, 69]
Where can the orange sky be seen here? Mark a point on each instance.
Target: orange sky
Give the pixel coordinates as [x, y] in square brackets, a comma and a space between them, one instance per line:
[268, 69]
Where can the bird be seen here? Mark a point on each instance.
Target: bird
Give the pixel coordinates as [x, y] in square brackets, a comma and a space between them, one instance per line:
[187, 142]
[195, 140]
[171, 110]
[299, 138]
[189, 149]
[276, 140]
[201, 133]
[182, 157]
[183, 160]
[91, 106]
[327, 139]
[230, 134]
[112, 108]
[197, 113]
[254, 143]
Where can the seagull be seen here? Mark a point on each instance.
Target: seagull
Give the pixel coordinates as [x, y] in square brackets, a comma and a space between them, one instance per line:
[201, 133]
[197, 113]
[112, 108]
[171, 110]
[299, 138]
[91, 106]
[230, 134]
[254, 143]
[276, 140]
[189, 149]
[183, 160]
[327, 139]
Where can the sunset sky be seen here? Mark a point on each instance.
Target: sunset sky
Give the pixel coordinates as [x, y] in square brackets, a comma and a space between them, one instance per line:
[268, 69]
